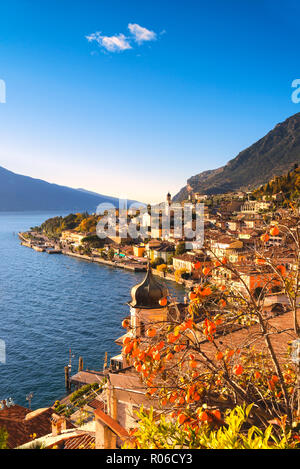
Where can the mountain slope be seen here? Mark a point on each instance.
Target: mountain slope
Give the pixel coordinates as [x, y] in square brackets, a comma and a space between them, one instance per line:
[270, 156]
[19, 193]
[287, 185]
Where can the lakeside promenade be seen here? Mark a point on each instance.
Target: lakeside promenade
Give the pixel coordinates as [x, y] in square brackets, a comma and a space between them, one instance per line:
[128, 264]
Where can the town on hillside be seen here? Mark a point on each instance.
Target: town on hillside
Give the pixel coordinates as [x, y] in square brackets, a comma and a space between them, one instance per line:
[232, 224]
[226, 344]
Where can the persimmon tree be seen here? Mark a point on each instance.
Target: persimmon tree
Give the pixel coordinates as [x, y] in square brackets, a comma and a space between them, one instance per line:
[224, 349]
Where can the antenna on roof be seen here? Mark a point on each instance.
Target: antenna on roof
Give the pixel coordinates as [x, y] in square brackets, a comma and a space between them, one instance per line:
[29, 398]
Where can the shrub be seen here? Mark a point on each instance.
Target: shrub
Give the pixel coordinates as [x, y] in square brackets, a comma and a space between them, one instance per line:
[3, 438]
[179, 274]
[162, 268]
[157, 261]
[76, 395]
[231, 433]
[180, 249]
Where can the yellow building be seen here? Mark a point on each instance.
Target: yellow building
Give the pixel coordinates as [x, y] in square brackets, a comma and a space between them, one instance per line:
[138, 251]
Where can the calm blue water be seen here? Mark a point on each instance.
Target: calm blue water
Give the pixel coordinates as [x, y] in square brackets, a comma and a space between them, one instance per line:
[49, 304]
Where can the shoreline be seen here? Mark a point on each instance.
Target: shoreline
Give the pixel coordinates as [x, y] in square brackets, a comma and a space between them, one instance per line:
[51, 248]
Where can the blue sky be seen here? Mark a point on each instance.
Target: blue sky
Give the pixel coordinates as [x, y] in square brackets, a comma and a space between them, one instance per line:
[96, 101]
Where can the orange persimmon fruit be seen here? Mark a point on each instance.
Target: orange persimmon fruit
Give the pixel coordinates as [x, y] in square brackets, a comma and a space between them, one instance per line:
[238, 370]
[125, 323]
[274, 231]
[193, 364]
[151, 332]
[265, 237]
[163, 301]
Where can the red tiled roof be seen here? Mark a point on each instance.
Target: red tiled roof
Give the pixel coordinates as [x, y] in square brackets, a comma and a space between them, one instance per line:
[14, 412]
[96, 404]
[87, 377]
[75, 440]
[112, 424]
[84, 441]
[21, 423]
[186, 257]
[223, 239]
[164, 247]
[251, 335]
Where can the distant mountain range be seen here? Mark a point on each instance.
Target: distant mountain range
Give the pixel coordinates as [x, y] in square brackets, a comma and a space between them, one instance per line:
[270, 156]
[20, 193]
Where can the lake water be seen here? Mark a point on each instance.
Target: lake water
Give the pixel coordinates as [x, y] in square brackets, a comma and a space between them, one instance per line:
[49, 304]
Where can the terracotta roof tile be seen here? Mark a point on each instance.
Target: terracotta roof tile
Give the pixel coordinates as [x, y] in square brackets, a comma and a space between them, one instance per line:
[112, 424]
[21, 423]
[96, 404]
[84, 441]
[251, 336]
[87, 377]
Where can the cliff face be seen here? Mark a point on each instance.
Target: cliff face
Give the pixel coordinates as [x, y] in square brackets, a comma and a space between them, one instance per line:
[270, 156]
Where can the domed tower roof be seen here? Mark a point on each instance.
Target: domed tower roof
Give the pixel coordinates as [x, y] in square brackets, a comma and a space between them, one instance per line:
[146, 295]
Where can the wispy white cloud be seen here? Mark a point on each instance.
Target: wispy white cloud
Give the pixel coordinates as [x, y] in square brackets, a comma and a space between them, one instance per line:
[141, 34]
[120, 42]
[116, 43]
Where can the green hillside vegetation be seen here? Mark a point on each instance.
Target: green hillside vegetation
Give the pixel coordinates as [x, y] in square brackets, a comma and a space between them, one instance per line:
[81, 222]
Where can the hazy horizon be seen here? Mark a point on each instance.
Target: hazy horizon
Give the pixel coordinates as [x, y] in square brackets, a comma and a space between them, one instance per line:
[130, 100]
